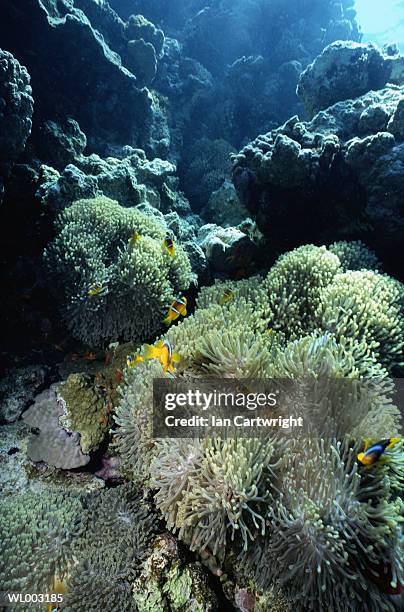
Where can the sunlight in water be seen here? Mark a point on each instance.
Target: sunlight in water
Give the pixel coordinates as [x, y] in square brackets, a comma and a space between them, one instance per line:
[382, 21]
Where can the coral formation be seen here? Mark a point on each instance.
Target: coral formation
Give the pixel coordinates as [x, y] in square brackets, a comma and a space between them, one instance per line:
[138, 281]
[15, 112]
[288, 174]
[346, 70]
[294, 242]
[206, 166]
[49, 441]
[85, 410]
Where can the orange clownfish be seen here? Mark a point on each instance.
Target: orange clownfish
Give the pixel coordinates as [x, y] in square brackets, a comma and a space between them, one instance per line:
[373, 452]
[133, 360]
[162, 351]
[177, 308]
[168, 245]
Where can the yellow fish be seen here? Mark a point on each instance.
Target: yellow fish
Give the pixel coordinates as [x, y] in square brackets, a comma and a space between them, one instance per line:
[177, 308]
[58, 588]
[226, 297]
[163, 352]
[133, 360]
[168, 245]
[134, 239]
[96, 289]
[373, 452]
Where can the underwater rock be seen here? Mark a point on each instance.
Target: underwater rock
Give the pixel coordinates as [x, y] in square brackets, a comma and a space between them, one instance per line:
[204, 168]
[13, 453]
[224, 208]
[347, 70]
[168, 582]
[343, 169]
[85, 79]
[132, 180]
[142, 60]
[227, 249]
[139, 28]
[52, 443]
[18, 387]
[16, 109]
[60, 144]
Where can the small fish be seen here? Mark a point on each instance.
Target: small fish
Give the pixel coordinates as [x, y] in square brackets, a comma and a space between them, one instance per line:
[168, 245]
[177, 308]
[58, 587]
[134, 239]
[96, 289]
[227, 296]
[164, 353]
[89, 356]
[373, 452]
[133, 360]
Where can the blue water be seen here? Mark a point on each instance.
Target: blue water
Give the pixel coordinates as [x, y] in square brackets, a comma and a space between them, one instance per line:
[382, 21]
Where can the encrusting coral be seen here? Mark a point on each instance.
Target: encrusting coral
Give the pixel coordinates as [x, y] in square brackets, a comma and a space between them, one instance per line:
[110, 285]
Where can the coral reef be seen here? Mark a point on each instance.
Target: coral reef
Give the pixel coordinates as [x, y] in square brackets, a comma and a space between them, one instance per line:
[347, 157]
[346, 70]
[81, 61]
[167, 582]
[137, 281]
[15, 112]
[18, 388]
[284, 265]
[206, 166]
[85, 410]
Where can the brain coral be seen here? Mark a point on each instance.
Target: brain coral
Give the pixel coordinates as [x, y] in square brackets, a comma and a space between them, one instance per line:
[134, 281]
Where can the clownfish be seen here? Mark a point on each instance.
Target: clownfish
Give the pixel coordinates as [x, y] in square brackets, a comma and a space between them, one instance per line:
[133, 360]
[134, 239]
[226, 297]
[168, 245]
[96, 289]
[163, 352]
[373, 452]
[177, 308]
